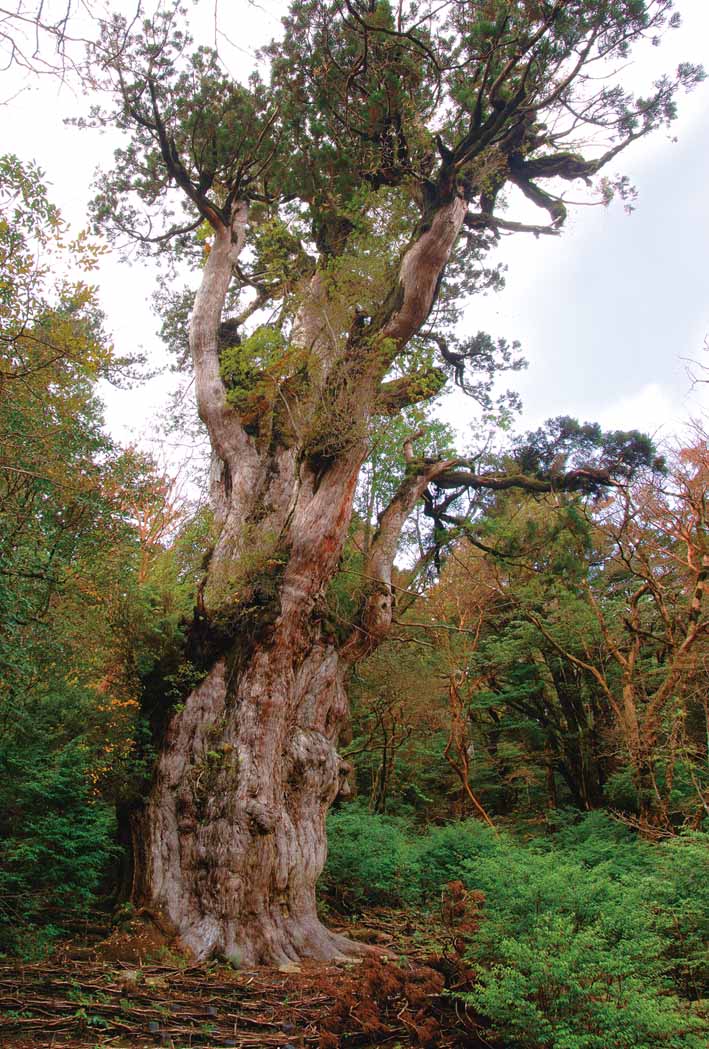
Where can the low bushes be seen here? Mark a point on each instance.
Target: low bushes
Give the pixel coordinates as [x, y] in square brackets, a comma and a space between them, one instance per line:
[56, 840]
[590, 938]
[368, 858]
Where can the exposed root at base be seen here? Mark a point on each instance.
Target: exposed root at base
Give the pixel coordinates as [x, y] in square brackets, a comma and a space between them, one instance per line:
[289, 943]
[147, 936]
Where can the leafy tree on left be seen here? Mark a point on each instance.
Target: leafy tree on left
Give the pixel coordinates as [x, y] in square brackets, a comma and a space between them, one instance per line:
[68, 552]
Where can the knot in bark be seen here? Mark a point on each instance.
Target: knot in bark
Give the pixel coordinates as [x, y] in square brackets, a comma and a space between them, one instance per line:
[378, 611]
[314, 765]
[263, 817]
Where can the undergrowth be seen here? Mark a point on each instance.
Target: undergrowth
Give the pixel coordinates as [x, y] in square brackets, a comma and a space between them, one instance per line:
[589, 938]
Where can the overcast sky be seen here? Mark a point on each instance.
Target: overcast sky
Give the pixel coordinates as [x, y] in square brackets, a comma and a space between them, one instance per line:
[606, 312]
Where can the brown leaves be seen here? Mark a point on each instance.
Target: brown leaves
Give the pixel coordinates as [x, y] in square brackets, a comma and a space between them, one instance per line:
[386, 999]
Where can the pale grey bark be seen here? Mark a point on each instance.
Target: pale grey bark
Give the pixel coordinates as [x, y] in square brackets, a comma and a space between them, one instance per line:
[225, 431]
[421, 269]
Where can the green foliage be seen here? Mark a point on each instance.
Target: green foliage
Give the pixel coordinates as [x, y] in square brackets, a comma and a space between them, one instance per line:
[563, 443]
[444, 853]
[60, 476]
[245, 368]
[589, 938]
[564, 987]
[682, 915]
[75, 601]
[56, 837]
[553, 583]
[367, 120]
[596, 839]
[280, 260]
[384, 467]
[366, 857]
[571, 951]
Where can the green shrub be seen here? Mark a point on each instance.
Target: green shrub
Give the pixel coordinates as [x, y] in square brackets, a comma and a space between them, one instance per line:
[55, 843]
[562, 987]
[681, 908]
[675, 877]
[590, 938]
[570, 954]
[367, 857]
[596, 838]
[444, 852]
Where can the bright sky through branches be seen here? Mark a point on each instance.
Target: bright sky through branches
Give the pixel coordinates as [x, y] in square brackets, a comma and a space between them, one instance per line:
[607, 314]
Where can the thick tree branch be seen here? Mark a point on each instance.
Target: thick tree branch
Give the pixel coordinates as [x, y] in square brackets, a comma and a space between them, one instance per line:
[584, 479]
[376, 618]
[444, 474]
[409, 304]
[177, 169]
[410, 389]
[228, 437]
[393, 518]
[693, 631]
[480, 220]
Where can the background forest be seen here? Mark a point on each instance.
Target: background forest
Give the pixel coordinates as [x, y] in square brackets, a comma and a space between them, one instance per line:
[530, 742]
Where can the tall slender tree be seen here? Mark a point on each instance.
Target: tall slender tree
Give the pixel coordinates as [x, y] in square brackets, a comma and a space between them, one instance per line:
[340, 211]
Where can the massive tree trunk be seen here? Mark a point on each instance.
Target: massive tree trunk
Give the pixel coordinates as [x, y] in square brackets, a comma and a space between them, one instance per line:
[235, 824]
[232, 837]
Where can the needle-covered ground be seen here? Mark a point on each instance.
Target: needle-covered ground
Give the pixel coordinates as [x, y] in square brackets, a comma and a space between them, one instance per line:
[82, 998]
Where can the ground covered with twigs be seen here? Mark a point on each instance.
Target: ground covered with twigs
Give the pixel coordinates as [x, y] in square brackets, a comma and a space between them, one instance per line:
[82, 998]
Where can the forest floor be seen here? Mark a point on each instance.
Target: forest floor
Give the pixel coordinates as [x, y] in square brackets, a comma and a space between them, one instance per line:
[81, 998]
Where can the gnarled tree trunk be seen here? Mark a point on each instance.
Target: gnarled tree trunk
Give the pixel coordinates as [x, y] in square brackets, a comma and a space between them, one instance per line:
[233, 832]
[235, 824]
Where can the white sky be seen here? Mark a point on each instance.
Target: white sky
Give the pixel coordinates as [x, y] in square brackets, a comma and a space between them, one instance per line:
[606, 312]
